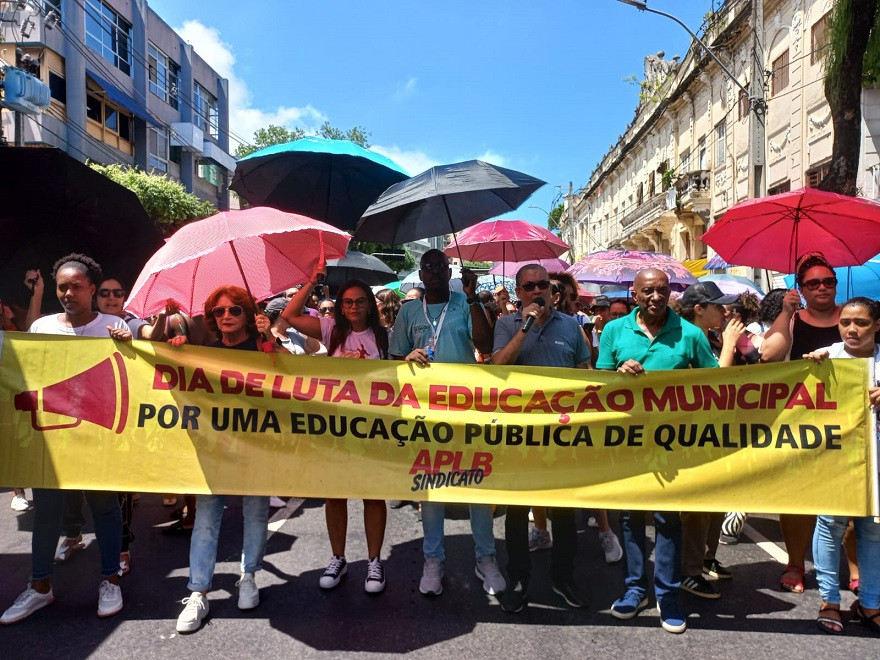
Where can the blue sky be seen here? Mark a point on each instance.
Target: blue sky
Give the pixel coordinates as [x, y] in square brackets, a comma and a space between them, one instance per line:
[535, 86]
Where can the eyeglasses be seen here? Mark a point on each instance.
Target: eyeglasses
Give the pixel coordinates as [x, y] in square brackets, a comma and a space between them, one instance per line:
[827, 282]
[531, 286]
[435, 266]
[325, 310]
[220, 312]
[116, 293]
[357, 302]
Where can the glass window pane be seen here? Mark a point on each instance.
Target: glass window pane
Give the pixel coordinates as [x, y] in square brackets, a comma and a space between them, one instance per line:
[111, 118]
[93, 108]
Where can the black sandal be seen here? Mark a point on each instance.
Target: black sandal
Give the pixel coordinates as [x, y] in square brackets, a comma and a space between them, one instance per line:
[177, 529]
[827, 624]
[872, 623]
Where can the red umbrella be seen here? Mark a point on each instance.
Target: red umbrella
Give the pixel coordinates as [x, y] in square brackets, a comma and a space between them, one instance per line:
[554, 265]
[771, 232]
[506, 240]
[261, 249]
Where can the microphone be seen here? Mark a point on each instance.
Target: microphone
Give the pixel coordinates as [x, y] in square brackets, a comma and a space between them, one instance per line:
[529, 322]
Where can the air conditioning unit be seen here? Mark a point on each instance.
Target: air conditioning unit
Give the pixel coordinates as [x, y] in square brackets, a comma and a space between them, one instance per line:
[24, 92]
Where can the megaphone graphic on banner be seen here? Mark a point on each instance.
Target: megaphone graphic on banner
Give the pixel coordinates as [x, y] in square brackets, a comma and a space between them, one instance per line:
[90, 396]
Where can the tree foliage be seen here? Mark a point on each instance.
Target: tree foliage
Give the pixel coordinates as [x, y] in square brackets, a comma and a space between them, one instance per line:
[166, 202]
[272, 134]
[851, 61]
[555, 216]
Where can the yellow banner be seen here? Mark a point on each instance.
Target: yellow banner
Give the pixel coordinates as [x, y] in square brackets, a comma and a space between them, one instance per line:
[146, 417]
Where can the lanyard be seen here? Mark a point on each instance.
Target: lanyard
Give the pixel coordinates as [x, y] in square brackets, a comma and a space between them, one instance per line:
[438, 325]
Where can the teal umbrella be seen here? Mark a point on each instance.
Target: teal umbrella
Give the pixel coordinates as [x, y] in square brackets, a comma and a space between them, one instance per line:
[330, 180]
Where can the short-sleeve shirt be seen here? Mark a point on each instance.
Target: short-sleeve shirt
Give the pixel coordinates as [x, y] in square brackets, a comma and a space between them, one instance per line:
[679, 345]
[356, 345]
[557, 343]
[97, 327]
[412, 330]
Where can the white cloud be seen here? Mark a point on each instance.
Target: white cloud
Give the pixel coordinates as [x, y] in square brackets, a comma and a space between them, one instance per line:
[490, 156]
[414, 162]
[244, 118]
[406, 89]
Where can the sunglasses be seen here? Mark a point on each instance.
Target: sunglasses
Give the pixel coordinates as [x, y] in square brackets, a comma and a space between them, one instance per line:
[431, 267]
[325, 310]
[234, 310]
[357, 302]
[116, 293]
[531, 286]
[827, 282]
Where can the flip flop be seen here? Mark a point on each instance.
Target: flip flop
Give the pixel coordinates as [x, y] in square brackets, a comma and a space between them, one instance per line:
[854, 586]
[828, 624]
[872, 623]
[793, 584]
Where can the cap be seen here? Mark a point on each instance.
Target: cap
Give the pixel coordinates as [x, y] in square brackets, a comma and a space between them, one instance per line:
[275, 307]
[499, 288]
[704, 293]
[601, 301]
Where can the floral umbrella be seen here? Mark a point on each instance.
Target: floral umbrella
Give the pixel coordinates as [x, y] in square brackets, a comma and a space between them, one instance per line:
[621, 266]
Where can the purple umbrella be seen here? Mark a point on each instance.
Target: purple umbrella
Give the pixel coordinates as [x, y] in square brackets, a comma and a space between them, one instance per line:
[621, 266]
[510, 268]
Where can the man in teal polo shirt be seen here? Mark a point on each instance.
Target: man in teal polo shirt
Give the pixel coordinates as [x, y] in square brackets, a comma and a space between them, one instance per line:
[652, 338]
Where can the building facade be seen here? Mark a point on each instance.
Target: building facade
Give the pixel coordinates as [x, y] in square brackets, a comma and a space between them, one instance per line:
[684, 159]
[125, 88]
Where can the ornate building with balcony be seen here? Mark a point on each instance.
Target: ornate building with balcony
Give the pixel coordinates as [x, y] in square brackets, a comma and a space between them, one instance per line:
[683, 160]
[125, 88]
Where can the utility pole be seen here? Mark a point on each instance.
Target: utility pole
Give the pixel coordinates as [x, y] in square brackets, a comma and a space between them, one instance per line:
[757, 106]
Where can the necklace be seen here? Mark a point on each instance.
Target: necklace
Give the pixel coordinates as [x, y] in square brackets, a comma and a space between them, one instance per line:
[433, 320]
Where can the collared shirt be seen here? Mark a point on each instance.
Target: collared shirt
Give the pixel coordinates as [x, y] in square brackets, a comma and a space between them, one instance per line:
[557, 343]
[679, 344]
[455, 343]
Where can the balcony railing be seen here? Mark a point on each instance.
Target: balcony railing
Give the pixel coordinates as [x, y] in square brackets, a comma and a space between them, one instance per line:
[644, 213]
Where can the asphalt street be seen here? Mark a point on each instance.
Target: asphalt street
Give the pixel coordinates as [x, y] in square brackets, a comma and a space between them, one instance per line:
[296, 619]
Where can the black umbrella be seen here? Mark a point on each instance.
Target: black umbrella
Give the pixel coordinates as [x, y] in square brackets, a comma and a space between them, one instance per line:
[329, 180]
[53, 205]
[362, 266]
[444, 199]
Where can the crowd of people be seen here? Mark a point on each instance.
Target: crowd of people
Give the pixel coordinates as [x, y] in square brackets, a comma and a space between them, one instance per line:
[547, 327]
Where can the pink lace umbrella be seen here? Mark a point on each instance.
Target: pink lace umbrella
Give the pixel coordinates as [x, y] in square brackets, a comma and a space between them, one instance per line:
[510, 268]
[506, 240]
[621, 266]
[261, 249]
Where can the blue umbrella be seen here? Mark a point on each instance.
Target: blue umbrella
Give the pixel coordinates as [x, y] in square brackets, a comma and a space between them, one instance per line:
[853, 281]
[329, 180]
[489, 282]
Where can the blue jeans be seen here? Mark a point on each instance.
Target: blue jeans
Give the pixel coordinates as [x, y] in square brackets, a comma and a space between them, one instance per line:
[667, 553]
[206, 532]
[433, 514]
[48, 514]
[826, 558]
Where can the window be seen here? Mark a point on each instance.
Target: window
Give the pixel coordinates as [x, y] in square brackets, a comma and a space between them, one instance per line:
[704, 154]
[110, 117]
[685, 162]
[780, 73]
[651, 184]
[164, 75]
[57, 87]
[744, 103]
[872, 182]
[108, 34]
[158, 148]
[783, 187]
[720, 143]
[816, 174]
[209, 171]
[206, 113]
[94, 109]
[819, 40]
[640, 194]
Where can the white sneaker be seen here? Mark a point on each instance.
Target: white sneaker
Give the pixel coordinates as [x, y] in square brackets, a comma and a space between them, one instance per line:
[334, 572]
[276, 503]
[196, 609]
[19, 503]
[487, 570]
[109, 599]
[431, 583]
[248, 594]
[611, 547]
[26, 604]
[375, 582]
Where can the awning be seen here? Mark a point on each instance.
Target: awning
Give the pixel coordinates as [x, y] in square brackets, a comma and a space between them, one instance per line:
[696, 266]
[121, 98]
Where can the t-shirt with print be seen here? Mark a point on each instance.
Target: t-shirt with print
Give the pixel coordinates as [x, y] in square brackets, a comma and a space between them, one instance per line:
[97, 327]
[356, 345]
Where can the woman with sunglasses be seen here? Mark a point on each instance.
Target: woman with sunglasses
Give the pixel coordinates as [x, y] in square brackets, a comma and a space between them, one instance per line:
[232, 314]
[858, 326]
[354, 331]
[794, 333]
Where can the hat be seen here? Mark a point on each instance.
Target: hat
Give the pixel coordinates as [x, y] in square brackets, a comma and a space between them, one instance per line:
[499, 289]
[601, 301]
[704, 293]
[275, 307]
